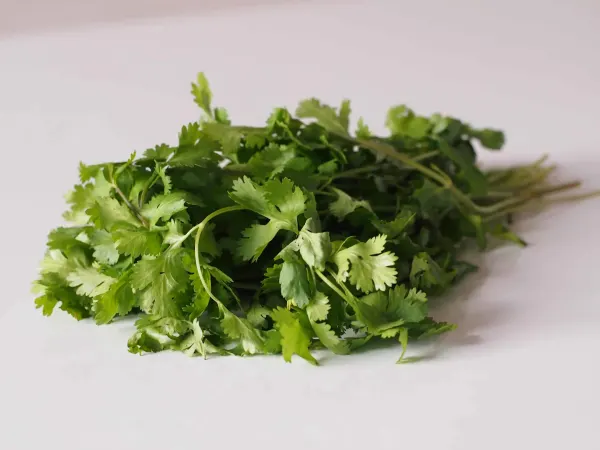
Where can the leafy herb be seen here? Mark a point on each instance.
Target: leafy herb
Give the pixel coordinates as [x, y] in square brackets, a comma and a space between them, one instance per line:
[285, 238]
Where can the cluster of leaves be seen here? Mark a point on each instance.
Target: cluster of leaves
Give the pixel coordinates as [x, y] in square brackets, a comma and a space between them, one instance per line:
[285, 238]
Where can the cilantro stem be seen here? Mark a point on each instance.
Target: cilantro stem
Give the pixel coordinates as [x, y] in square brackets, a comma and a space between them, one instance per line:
[506, 204]
[200, 229]
[351, 173]
[136, 212]
[148, 185]
[521, 204]
[333, 287]
[293, 138]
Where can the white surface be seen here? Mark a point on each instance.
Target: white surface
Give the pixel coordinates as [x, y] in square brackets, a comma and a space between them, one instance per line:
[521, 371]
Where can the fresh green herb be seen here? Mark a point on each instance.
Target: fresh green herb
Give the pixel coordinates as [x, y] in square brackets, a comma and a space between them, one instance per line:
[285, 238]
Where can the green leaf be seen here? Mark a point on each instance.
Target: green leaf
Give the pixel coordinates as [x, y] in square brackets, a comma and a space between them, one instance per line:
[155, 334]
[55, 293]
[295, 283]
[89, 281]
[106, 212]
[136, 241]
[426, 274]
[119, 299]
[295, 338]
[383, 311]
[256, 238]
[202, 94]
[79, 199]
[433, 200]
[257, 316]
[163, 207]
[402, 121]
[318, 308]
[324, 115]
[315, 248]
[201, 298]
[404, 219]
[174, 235]
[162, 278]
[490, 139]
[279, 201]
[328, 168]
[105, 251]
[240, 329]
[344, 116]
[199, 153]
[329, 339]
[345, 204]
[362, 130]
[271, 161]
[227, 137]
[461, 156]
[160, 152]
[367, 265]
[165, 179]
[47, 303]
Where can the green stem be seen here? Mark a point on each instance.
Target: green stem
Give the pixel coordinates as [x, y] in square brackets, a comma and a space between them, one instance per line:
[445, 181]
[293, 138]
[506, 204]
[147, 187]
[351, 173]
[540, 194]
[330, 284]
[200, 229]
[135, 211]
[237, 168]
[342, 285]
[496, 175]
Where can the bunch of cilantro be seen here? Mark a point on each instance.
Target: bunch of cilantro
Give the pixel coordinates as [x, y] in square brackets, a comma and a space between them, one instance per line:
[285, 238]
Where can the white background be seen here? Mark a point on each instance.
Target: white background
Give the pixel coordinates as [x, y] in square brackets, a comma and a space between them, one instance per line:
[94, 81]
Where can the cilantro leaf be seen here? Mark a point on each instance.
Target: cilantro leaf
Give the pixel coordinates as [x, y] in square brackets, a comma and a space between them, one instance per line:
[118, 299]
[163, 207]
[106, 212]
[367, 265]
[162, 278]
[271, 161]
[295, 339]
[89, 281]
[426, 274]
[383, 312]
[136, 241]
[345, 204]
[295, 283]
[240, 329]
[202, 94]
[279, 201]
[326, 116]
[318, 308]
[315, 248]
[256, 238]
[105, 251]
[404, 219]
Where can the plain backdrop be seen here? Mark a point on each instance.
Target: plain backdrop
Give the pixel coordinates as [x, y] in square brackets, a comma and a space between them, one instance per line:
[93, 81]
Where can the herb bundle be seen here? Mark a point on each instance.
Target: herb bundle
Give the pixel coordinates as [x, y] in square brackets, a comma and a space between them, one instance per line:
[285, 238]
